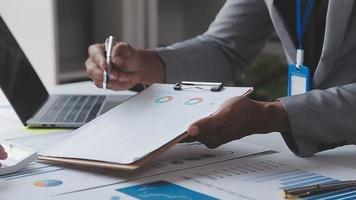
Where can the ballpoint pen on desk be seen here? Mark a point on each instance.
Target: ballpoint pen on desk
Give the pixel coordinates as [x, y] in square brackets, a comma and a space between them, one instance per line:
[300, 192]
[109, 44]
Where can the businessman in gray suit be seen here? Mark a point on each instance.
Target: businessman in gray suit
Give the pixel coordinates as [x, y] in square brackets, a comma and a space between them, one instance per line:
[320, 119]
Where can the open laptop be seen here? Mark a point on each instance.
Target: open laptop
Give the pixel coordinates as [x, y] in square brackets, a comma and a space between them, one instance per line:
[30, 99]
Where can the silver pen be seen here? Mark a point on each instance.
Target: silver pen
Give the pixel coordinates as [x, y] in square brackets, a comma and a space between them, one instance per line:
[304, 191]
[109, 44]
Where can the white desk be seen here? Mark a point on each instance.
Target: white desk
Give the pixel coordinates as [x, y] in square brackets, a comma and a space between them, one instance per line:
[88, 178]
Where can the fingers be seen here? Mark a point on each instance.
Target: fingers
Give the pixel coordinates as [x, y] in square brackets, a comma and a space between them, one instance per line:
[196, 130]
[121, 78]
[202, 126]
[211, 131]
[3, 154]
[97, 55]
[189, 139]
[93, 71]
[211, 142]
[231, 121]
[123, 81]
[204, 131]
[118, 80]
[95, 64]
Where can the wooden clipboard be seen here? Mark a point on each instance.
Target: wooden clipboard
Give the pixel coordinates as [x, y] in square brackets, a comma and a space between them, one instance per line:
[117, 166]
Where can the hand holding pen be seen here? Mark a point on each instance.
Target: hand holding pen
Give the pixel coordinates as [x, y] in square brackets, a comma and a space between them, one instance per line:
[129, 66]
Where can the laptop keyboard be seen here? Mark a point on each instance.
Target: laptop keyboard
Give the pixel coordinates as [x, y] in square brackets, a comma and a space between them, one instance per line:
[78, 109]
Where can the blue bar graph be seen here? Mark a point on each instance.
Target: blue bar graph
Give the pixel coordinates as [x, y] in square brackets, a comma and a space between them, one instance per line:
[292, 178]
[280, 175]
[163, 190]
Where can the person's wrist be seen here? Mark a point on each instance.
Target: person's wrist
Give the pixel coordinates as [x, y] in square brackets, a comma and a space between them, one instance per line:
[276, 117]
[152, 68]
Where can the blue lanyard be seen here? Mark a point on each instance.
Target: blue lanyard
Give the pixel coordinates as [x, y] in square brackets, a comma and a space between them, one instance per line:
[303, 21]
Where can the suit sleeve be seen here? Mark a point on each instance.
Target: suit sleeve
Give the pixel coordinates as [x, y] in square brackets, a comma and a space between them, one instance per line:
[321, 119]
[233, 40]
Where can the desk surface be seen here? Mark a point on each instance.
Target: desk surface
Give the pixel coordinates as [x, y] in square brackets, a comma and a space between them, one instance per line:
[13, 131]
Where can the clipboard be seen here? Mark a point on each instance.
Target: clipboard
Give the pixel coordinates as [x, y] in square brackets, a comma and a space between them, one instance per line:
[91, 161]
[110, 165]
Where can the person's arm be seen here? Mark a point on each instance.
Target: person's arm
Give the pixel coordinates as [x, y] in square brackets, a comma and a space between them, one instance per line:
[312, 122]
[234, 39]
[321, 119]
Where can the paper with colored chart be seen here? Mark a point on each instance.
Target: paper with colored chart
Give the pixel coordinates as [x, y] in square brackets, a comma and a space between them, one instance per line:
[249, 178]
[141, 125]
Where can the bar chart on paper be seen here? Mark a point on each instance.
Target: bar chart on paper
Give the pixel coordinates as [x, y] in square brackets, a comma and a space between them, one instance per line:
[299, 178]
[252, 178]
[270, 174]
[163, 190]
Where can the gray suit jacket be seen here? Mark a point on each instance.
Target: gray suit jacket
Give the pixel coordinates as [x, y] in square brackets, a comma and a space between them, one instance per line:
[321, 119]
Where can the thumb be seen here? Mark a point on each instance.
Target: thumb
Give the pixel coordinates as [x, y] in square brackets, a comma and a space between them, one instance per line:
[201, 126]
[3, 154]
[97, 55]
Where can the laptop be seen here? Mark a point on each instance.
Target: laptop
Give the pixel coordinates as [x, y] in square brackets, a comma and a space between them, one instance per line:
[30, 99]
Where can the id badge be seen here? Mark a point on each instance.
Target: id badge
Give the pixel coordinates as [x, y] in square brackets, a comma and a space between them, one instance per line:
[298, 80]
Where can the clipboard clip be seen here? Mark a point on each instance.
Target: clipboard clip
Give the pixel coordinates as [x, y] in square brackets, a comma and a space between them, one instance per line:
[214, 87]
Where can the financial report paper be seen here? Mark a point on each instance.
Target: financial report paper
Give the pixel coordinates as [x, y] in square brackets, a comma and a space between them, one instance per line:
[252, 178]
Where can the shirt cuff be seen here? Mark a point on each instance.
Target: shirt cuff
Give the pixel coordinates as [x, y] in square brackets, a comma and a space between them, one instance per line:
[172, 63]
[300, 140]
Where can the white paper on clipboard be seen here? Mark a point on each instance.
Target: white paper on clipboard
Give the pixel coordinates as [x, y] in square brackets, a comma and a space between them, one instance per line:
[141, 125]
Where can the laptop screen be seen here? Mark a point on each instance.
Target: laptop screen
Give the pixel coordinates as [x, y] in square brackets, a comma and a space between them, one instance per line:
[18, 80]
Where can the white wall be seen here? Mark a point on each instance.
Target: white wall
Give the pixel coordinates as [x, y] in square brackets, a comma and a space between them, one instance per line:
[32, 23]
[140, 23]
